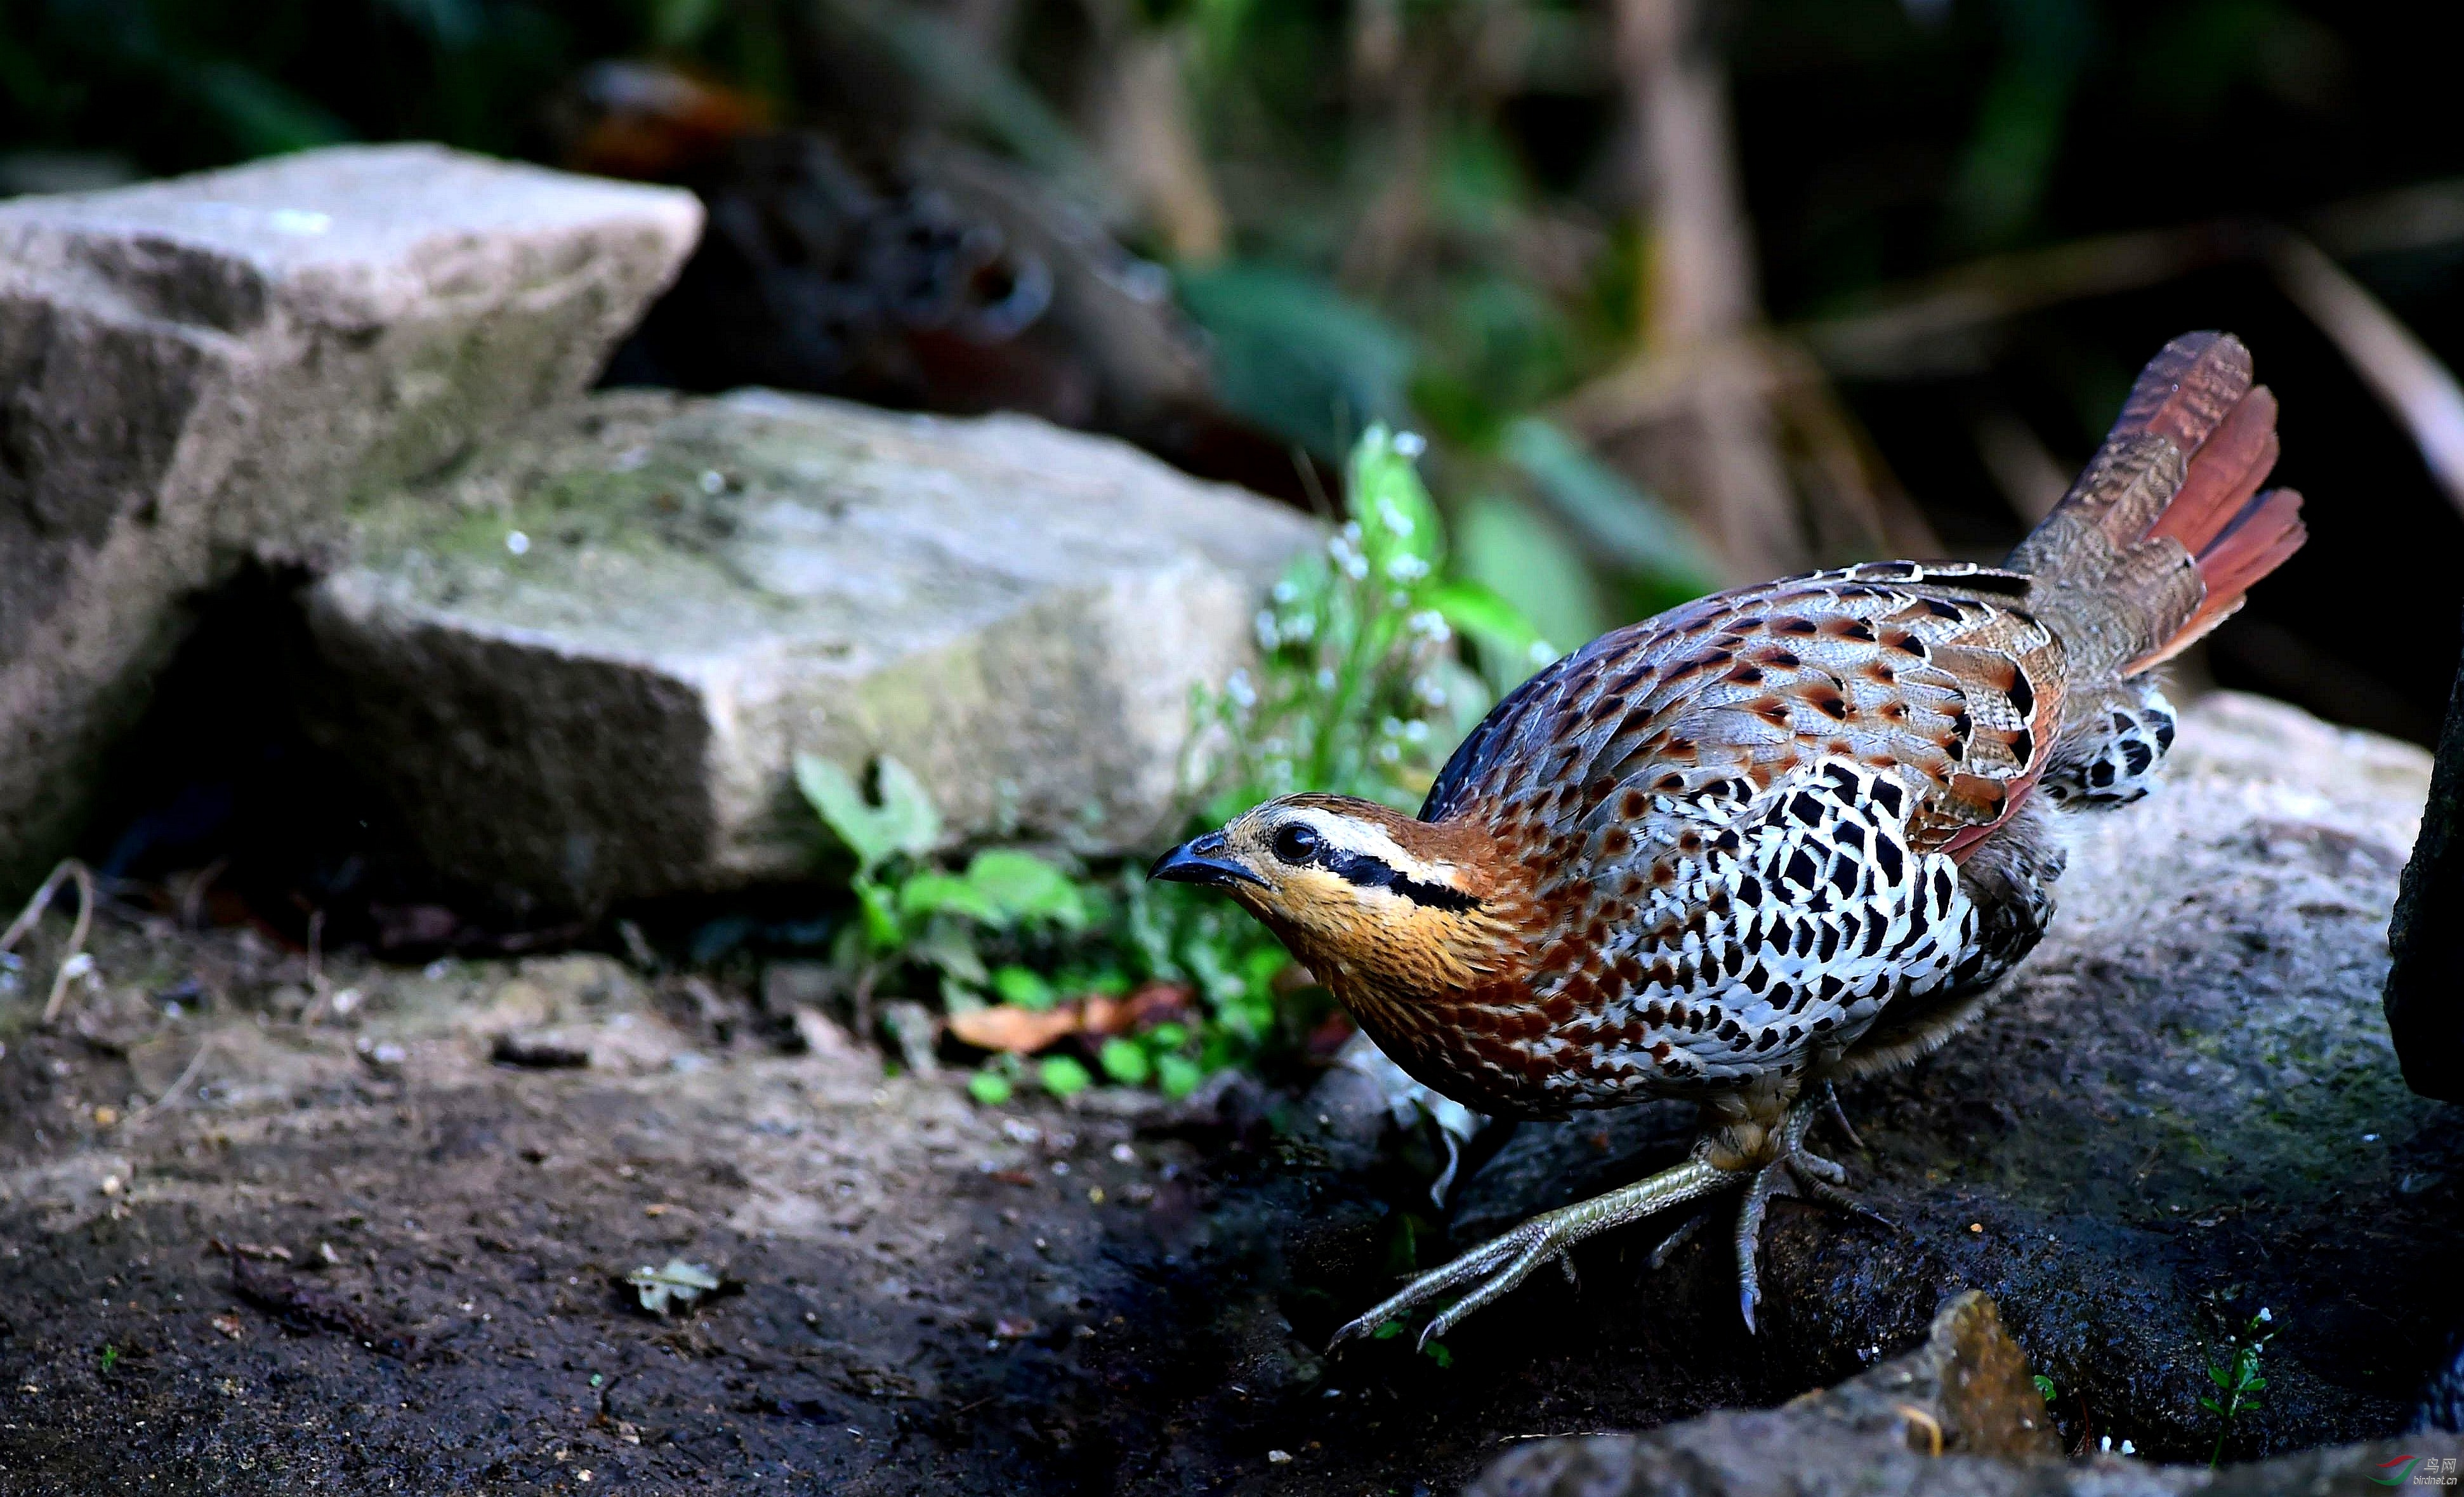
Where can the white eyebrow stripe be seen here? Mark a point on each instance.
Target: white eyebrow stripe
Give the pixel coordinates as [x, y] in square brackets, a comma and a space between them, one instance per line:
[1369, 840]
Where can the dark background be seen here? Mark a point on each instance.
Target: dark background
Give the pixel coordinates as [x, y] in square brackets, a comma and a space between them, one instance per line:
[1449, 213]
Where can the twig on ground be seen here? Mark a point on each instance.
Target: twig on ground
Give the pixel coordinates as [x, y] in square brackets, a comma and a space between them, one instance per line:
[35, 905]
[69, 868]
[192, 892]
[317, 985]
[179, 1083]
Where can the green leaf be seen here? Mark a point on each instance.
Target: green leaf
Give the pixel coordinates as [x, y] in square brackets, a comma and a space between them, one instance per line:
[1023, 887]
[681, 23]
[1510, 647]
[905, 822]
[262, 117]
[1260, 967]
[832, 793]
[944, 894]
[1022, 986]
[1064, 1077]
[1167, 1036]
[946, 944]
[1125, 1062]
[990, 1088]
[1435, 1352]
[880, 905]
[1634, 528]
[1298, 357]
[1177, 1076]
[1387, 1330]
[2045, 1387]
[909, 819]
[1400, 529]
[1531, 566]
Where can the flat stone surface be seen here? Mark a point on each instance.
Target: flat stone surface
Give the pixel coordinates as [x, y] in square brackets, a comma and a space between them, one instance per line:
[2187, 1109]
[583, 663]
[190, 368]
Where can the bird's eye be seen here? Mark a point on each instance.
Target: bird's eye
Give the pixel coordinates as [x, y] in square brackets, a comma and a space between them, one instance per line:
[1296, 842]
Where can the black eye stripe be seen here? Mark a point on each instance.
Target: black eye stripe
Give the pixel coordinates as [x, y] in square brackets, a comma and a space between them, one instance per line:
[1365, 871]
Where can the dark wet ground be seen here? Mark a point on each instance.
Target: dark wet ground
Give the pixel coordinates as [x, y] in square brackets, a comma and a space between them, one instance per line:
[355, 1254]
[923, 1296]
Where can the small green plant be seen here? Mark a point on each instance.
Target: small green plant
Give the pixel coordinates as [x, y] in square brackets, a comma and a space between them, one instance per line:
[2237, 1379]
[1358, 689]
[110, 1356]
[911, 912]
[2045, 1389]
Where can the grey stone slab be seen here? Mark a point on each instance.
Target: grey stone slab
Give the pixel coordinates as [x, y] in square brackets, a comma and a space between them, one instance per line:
[584, 664]
[192, 369]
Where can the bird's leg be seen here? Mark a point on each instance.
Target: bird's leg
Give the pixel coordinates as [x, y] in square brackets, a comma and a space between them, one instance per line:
[1504, 1261]
[1839, 1117]
[1678, 1238]
[1793, 1165]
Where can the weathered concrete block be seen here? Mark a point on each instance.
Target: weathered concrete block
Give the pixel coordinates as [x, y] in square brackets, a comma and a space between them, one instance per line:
[189, 369]
[585, 663]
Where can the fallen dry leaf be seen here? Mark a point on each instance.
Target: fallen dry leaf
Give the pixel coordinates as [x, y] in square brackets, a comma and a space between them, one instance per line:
[1021, 1031]
[1154, 1003]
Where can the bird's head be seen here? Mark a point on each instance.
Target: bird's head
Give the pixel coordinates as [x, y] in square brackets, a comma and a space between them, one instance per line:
[1364, 895]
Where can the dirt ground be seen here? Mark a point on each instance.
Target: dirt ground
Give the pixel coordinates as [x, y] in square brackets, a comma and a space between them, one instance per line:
[358, 1250]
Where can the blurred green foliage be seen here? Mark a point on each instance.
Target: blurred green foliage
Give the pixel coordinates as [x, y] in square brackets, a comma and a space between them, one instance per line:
[1431, 207]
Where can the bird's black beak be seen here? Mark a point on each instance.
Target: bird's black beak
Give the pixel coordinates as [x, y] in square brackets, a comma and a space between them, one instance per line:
[1201, 860]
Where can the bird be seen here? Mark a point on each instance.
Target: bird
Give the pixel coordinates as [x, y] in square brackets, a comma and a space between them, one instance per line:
[1776, 838]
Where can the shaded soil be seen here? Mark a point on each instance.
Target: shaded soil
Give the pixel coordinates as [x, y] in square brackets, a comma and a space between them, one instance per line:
[358, 1248]
[332, 1265]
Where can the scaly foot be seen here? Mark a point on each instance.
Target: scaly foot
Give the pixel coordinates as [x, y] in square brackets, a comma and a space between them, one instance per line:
[1501, 1263]
[1812, 1176]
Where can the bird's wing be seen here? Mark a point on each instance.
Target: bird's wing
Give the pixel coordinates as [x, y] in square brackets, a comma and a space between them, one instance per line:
[1937, 675]
[1742, 937]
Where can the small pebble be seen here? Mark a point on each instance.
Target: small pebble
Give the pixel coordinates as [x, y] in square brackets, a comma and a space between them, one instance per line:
[516, 542]
[1279, 1457]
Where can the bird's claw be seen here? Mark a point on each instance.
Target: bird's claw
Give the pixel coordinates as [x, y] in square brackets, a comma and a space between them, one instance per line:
[1519, 1252]
[1814, 1178]
[1676, 1240]
[1839, 1117]
[1496, 1266]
